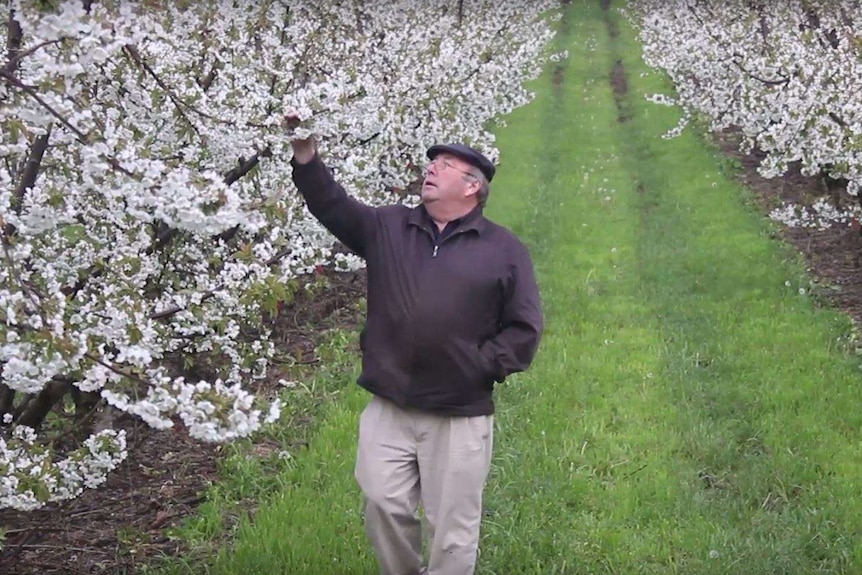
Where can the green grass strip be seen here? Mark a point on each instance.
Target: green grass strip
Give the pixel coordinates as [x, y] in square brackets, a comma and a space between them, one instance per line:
[688, 411]
[767, 395]
[578, 435]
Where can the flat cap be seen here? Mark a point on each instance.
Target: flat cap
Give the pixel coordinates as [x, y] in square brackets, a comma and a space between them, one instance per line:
[466, 153]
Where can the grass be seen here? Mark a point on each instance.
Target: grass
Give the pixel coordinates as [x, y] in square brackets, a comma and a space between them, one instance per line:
[274, 511]
[688, 411]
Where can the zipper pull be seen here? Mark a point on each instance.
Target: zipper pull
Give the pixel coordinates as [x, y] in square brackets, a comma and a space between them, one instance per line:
[434, 255]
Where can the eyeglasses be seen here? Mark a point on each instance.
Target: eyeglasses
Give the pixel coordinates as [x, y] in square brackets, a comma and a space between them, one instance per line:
[442, 164]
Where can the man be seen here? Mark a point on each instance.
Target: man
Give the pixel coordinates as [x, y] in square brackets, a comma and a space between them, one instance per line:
[453, 308]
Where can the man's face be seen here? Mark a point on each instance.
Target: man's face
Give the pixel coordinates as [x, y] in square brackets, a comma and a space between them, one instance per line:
[449, 179]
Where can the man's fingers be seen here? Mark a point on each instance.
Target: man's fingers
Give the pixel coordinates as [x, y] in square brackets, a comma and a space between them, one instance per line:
[291, 121]
[300, 136]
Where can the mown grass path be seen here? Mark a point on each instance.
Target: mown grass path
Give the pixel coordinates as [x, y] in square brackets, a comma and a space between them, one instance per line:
[690, 410]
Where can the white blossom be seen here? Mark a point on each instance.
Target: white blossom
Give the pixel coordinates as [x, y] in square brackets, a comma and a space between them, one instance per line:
[139, 240]
[787, 75]
[29, 478]
[821, 215]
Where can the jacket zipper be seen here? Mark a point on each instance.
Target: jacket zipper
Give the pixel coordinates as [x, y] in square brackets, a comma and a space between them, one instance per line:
[446, 239]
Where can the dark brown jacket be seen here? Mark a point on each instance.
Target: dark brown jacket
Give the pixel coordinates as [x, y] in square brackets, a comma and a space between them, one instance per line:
[445, 320]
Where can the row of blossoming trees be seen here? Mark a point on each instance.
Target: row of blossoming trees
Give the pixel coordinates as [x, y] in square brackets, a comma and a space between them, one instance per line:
[146, 208]
[787, 74]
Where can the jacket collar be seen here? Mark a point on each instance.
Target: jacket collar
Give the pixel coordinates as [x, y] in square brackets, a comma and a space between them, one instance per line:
[473, 220]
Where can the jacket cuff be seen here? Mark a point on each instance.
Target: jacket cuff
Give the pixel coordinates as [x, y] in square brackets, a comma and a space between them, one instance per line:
[489, 364]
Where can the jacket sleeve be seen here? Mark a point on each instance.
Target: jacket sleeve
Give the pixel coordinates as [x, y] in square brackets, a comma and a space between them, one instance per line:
[514, 346]
[348, 219]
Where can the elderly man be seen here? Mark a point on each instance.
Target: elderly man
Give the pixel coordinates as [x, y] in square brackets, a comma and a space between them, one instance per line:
[453, 308]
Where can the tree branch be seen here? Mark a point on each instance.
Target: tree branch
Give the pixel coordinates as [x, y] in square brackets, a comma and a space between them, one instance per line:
[28, 177]
[38, 406]
[117, 370]
[13, 61]
[166, 235]
[31, 91]
[178, 102]
[7, 400]
[209, 78]
[80, 136]
[837, 119]
[164, 314]
[246, 166]
[13, 43]
[784, 81]
[734, 56]
[28, 291]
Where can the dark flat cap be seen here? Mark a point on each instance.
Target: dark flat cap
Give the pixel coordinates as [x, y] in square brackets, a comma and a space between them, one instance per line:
[466, 153]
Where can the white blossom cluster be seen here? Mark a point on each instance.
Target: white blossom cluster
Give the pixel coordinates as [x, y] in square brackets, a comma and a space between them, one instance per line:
[29, 477]
[788, 74]
[162, 219]
[822, 215]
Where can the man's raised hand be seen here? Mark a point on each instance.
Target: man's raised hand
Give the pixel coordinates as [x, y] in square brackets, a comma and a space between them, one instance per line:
[303, 148]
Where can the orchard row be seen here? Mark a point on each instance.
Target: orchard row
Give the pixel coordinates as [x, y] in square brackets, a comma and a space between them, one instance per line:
[787, 74]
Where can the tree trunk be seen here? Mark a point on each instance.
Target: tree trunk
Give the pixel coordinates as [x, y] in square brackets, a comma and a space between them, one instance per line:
[85, 406]
[36, 409]
[13, 43]
[7, 399]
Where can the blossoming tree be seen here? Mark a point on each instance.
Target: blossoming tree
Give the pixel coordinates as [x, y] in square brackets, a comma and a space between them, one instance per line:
[787, 74]
[146, 209]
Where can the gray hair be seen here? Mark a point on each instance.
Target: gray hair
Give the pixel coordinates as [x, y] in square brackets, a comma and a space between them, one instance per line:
[484, 186]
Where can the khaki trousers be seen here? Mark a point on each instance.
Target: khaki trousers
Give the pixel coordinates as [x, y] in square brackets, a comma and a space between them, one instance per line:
[407, 456]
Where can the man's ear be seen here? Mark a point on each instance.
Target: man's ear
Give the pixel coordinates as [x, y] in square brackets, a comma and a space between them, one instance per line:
[473, 187]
